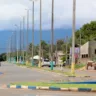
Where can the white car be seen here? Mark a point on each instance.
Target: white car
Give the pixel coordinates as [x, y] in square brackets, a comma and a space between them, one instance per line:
[46, 62]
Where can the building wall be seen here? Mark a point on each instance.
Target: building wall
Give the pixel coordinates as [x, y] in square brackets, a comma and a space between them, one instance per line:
[92, 49]
[85, 49]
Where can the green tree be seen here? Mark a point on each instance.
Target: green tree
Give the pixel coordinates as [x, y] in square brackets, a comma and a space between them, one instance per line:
[87, 31]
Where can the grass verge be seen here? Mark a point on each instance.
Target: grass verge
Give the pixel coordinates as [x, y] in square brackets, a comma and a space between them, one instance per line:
[77, 66]
[93, 86]
[56, 71]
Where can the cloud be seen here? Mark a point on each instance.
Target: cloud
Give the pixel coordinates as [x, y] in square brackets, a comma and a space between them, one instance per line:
[11, 12]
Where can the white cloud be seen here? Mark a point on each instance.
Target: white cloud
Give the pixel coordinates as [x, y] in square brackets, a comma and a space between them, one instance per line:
[11, 11]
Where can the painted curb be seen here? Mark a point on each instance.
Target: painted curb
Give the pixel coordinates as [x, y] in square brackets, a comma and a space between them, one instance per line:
[51, 88]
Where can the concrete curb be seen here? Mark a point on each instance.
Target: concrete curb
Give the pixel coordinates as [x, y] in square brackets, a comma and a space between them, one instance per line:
[51, 88]
[78, 76]
[57, 73]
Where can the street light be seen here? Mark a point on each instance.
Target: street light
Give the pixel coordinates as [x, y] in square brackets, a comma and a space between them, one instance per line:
[80, 49]
[11, 42]
[66, 48]
[52, 34]
[40, 33]
[23, 38]
[10, 49]
[20, 41]
[17, 44]
[73, 38]
[33, 30]
[27, 36]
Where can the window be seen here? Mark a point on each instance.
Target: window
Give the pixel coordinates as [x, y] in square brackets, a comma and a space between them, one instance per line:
[95, 51]
[85, 56]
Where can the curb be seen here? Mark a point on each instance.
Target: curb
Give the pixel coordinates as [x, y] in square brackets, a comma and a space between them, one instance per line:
[58, 73]
[51, 88]
[78, 76]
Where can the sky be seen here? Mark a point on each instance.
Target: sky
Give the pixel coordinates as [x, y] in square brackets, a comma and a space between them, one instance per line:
[12, 12]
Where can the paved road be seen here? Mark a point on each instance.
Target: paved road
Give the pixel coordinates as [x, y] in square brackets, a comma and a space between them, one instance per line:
[13, 92]
[13, 73]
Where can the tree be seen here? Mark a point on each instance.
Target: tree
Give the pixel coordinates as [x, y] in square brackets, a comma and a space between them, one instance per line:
[3, 57]
[60, 44]
[87, 31]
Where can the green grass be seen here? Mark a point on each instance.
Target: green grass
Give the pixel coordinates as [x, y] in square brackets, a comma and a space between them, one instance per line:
[56, 71]
[93, 86]
[77, 66]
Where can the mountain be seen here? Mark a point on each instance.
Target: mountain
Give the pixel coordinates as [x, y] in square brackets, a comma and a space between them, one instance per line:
[46, 35]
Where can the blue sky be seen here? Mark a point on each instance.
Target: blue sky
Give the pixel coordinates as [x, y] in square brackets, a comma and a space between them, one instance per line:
[12, 12]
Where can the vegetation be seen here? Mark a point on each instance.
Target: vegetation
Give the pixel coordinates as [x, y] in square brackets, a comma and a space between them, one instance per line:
[46, 48]
[77, 66]
[88, 32]
[3, 57]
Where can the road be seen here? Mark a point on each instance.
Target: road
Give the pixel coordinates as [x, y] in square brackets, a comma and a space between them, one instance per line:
[13, 73]
[13, 92]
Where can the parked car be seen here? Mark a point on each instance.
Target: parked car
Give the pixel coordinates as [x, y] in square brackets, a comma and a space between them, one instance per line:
[46, 62]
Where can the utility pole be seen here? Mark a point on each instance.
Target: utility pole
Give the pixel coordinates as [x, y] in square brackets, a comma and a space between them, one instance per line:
[40, 33]
[49, 50]
[52, 34]
[27, 37]
[73, 38]
[10, 49]
[56, 52]
[17, 43]
[23, 38]
[11, 44]
[20, 42]
[66, 48]
[80, 49]
[32, 32]
[7, 52]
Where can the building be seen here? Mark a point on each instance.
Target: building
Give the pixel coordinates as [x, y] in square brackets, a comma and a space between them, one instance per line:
[88, 50]
[59, 55]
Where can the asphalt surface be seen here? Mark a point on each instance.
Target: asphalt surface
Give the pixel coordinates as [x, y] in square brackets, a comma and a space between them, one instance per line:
[13, 92]
[13, 73]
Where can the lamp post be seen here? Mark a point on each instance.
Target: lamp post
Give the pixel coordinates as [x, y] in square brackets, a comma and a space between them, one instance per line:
[12, 47]
[32, 30]
[73, 38]
[66, 48]
[40, 33]
[23, 39]
[27, 36]
[52, 34]
[80, 49]
[20, 41]
[56, 52]
[9, 49]
[33, 34]
[17, 44]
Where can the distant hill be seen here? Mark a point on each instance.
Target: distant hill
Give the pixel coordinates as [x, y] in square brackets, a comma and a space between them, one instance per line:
[58, 34]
